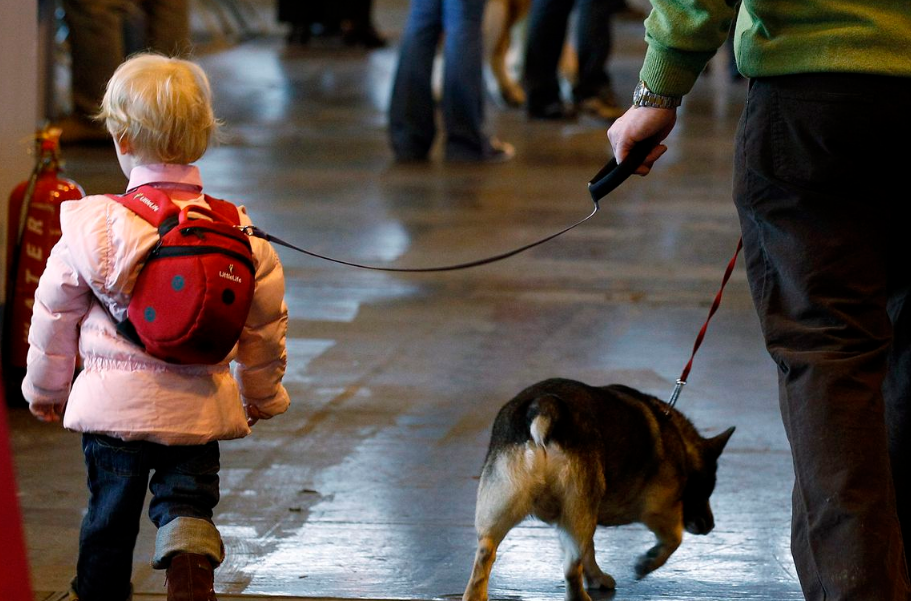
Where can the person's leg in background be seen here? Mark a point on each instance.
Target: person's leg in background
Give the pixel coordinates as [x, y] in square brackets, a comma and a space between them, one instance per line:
[547, 23]
[300, 16]
[816, 233]
[357, 25]
[412, 123]
[463, 78]
[168, 26]
[117, 480]
[592, 92]
[463, 86]
[97, 49]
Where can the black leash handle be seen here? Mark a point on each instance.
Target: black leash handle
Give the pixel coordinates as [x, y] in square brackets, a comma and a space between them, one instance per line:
[604, 182]
[613, 174]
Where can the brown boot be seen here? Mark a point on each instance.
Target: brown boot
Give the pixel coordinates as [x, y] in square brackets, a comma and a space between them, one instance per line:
[191, 577]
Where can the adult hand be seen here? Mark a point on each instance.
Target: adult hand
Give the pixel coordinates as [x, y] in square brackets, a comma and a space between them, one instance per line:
[637, 124]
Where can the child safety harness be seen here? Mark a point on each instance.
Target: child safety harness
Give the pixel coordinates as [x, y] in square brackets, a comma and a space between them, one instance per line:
[194, 292]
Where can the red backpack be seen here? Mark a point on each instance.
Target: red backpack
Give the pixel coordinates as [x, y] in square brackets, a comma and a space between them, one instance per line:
[193, 294]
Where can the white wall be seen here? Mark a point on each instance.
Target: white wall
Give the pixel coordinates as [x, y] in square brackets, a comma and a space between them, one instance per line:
[19, 98]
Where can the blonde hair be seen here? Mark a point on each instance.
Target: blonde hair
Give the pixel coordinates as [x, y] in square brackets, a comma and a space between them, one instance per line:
[162, 106]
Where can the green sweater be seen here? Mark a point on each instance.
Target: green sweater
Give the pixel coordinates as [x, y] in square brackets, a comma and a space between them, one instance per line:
[776, 37]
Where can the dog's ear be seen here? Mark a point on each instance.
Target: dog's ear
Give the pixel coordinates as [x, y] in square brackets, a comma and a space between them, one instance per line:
[714, 446]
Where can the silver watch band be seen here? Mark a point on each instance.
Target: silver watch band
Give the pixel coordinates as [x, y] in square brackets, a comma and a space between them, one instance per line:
[642, 96]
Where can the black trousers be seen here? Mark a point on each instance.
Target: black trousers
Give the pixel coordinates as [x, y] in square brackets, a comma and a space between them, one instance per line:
[821, 179]
[547, 26]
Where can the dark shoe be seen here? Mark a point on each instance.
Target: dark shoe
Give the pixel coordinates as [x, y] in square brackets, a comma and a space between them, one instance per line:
[77, 130]
[555, 111]
[494, 151]
[603, 108]
[191, 577]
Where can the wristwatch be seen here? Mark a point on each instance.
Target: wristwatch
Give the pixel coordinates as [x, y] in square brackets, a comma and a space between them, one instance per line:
[642, 96]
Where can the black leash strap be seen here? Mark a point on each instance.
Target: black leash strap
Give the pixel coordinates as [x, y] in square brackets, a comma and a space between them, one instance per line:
[604, 182]
[255, 231]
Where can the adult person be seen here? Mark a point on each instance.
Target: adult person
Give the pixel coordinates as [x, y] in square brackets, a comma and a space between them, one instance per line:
[412, 109]
[547, 26]
[817, 191]
[98, 46]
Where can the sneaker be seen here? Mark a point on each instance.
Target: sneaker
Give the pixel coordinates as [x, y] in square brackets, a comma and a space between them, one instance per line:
[495, 151]
[77, 130]
[604, 108]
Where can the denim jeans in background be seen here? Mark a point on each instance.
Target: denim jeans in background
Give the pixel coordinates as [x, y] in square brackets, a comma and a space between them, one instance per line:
[412, 120]
[184, 484]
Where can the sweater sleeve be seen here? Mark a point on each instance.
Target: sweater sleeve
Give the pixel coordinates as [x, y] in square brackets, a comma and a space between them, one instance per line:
[261, 353]
[682, 37]
[62, 300]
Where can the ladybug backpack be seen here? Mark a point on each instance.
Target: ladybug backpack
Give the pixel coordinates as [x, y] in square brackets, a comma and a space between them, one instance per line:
[194, 292]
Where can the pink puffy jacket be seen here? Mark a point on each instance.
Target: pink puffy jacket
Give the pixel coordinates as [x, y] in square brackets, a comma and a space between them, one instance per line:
[122, 391]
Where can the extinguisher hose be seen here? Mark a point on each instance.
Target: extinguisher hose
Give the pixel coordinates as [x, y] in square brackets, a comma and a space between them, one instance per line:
[26, 202]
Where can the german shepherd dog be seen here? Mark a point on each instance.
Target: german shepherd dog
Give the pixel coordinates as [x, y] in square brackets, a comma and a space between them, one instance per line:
[500, 18]
[577, 456]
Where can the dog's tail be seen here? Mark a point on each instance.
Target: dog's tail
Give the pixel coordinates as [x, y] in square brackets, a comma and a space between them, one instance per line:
[542, 417]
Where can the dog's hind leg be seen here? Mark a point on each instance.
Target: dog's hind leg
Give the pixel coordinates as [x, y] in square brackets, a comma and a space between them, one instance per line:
[577, 542]
[577, 529]
[504, 500]
[668, 529]
[497, 24]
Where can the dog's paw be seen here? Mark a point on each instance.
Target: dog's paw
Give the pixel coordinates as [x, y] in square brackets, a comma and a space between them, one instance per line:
[601, 581]
[579, 595]
[513, 95]
[647, 563]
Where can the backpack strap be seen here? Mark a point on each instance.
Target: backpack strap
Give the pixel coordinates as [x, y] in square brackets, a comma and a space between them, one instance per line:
[224, 208]
[150, 203]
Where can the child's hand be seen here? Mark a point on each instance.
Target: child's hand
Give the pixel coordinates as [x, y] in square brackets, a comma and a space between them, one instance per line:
[48, 413]
[253, 415]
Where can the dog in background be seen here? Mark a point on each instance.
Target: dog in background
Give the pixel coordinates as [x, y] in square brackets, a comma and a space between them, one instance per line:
[578, 456]
[500, 19]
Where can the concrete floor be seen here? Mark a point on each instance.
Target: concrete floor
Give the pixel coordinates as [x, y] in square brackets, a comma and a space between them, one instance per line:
[365, 488]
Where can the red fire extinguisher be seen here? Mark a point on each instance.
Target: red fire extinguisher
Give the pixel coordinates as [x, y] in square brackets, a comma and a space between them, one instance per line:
[34, 222]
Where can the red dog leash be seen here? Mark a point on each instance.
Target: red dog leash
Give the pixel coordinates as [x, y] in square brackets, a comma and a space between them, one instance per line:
[681, 381]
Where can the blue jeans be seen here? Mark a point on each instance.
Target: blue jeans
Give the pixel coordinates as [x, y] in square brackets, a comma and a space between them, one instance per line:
[412, 120]
[184, 485]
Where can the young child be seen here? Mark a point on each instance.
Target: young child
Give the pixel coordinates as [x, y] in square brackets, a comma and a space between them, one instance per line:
[138, 414]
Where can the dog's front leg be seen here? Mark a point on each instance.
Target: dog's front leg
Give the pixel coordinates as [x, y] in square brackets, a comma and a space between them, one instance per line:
[668, 529]
[594, 577]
